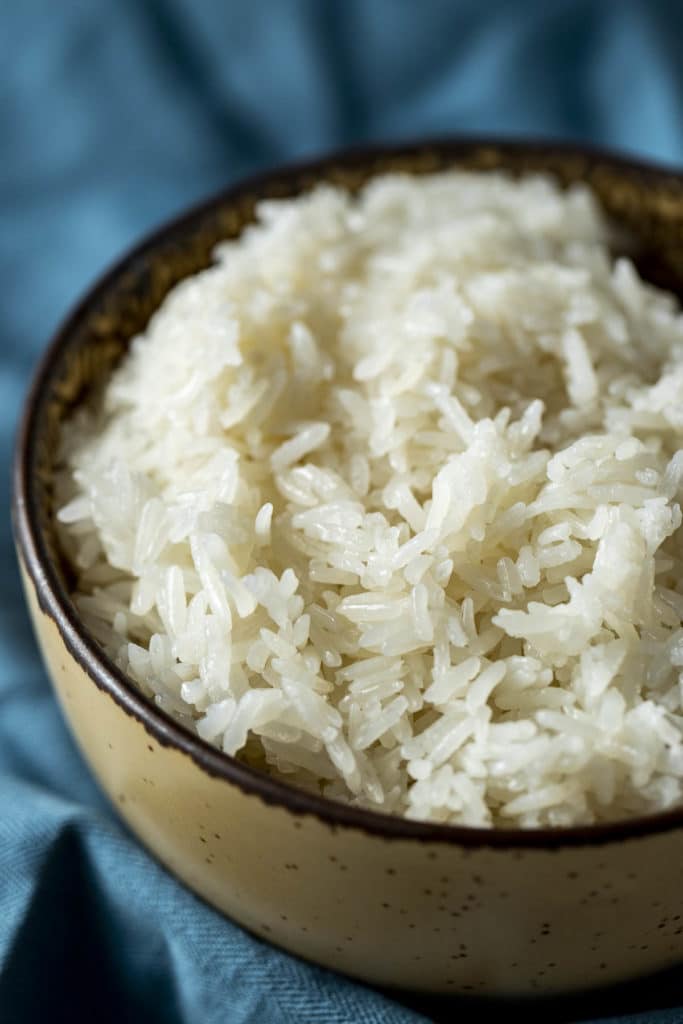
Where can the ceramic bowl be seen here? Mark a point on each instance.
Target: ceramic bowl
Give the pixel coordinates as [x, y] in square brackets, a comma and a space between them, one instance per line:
[394, 902]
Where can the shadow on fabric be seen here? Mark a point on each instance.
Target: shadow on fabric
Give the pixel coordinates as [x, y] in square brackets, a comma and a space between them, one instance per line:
[75, 958]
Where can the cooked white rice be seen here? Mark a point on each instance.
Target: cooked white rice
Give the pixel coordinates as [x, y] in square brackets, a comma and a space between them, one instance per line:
[386, 503]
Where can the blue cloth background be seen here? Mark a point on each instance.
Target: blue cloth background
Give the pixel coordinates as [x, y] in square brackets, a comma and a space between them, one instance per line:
[112, 117]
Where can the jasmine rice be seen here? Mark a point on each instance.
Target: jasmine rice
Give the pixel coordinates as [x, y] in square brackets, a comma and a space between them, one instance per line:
[386, 504]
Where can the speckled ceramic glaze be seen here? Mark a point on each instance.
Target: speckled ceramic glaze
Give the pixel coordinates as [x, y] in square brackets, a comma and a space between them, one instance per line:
[394, 902]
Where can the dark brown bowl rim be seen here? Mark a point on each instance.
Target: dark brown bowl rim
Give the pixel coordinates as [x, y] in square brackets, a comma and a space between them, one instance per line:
[55, 602]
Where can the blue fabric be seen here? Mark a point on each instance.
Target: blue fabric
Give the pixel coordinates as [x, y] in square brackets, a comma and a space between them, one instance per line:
[112, 117]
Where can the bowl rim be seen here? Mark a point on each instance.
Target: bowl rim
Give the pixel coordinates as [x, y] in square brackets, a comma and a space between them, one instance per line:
[55, 602]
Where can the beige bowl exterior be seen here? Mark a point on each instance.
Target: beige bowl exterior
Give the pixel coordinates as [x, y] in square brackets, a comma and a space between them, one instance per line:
[443, 917]
[421, 907]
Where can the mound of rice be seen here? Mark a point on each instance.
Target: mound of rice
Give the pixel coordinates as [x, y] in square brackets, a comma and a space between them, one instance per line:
[386, 503]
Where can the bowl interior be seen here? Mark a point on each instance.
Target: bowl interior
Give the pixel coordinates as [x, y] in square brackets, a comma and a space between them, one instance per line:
[646, 201]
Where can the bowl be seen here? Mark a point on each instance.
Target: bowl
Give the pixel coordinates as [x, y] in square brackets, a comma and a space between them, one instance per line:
[393, 902]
